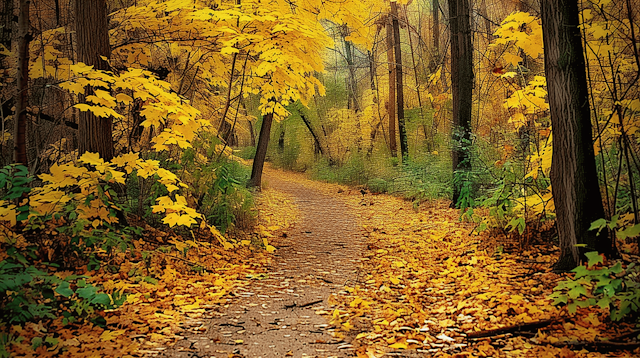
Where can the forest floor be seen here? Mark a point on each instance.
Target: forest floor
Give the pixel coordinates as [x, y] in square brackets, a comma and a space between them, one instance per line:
[344, 274]
[368, 275]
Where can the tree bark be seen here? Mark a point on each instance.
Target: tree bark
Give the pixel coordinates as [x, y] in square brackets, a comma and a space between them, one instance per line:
[261, 152]
[391, 104]
[92, 36]
[316, 140]
[352, 93]
[6, 33]
[404, 150]
[22, 84]
[574, 178]
[462, 90]
[252, 133]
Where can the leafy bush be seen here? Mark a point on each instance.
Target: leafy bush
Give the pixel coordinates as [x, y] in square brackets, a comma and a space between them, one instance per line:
[613, 287]
[219, 189]
[32, 294]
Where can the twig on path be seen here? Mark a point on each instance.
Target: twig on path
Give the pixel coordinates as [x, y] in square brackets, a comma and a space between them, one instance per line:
[513, 329]
[599, 346]
[295, 304]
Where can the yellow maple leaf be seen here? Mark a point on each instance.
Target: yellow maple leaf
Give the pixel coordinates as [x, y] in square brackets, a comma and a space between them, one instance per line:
[111, 335]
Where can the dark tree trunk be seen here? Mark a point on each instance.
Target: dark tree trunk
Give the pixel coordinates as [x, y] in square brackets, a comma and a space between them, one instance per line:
[22, 85]
[6, 33]
[435, 59]
[574, 178]
[252, 133]
[281, 138]
[391, 104]
[372, 70]
[316, 140]
[462, 90]
[404, 150]
[92, 35]
[352, 93]
[261, 151]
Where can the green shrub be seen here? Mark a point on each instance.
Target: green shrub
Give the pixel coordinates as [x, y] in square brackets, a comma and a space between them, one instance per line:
[613, 287]
[246, 153]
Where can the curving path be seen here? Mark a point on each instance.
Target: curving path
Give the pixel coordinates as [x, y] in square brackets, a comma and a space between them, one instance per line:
[275, 317]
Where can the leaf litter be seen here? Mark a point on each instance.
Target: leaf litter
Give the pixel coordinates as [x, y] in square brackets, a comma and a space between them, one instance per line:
[426, 285]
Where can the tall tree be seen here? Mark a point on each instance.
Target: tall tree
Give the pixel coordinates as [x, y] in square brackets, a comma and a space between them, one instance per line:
[261, 151]
[574, 179]
[397, 50]
[391, 103]
[22, 95]
[352, 84]
[462, 91]
[92, 36]
[435, 59]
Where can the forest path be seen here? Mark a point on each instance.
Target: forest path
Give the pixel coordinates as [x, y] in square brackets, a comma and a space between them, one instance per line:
[276, 316]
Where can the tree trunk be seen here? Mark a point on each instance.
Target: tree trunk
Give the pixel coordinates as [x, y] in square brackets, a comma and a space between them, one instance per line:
[487, 22]
[352, 90]
[316, 140]
[92, 35]
[252, 133]
[462, 91]
[6, 33]
[261, 152]
[22, 84]
[372, 70]
[391, 104]
[574, 179]
[435, 59]
[404, 150]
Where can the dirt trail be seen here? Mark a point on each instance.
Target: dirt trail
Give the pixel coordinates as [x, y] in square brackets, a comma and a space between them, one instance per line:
[275, 316]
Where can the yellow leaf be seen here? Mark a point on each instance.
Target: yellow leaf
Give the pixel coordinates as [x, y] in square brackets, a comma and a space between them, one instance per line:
[399, 345]
[447, 323]
[111, 335]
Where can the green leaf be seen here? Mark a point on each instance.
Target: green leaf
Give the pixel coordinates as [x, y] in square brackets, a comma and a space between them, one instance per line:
[87, 292]
[632, 231]
[560, 299]
[573, 307]
[604, 302]
[577, 291]
[51, 341]
[593, 257]
[36, 342]
[581, 271]
[617, 268]
[64, 290]
[598, 224]
[102, 298]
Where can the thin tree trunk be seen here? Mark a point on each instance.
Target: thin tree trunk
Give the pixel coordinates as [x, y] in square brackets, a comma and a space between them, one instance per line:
[92, 35]
[391, 104]
[22, 83]
[427, 136]
[372, 70]
[435, 59]
[6, 32]
[574, 178]
[352, 84]
[252, 133]
[462, 91]
[487, 22]
[404, 150]
[261, 151]
[316, 140]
